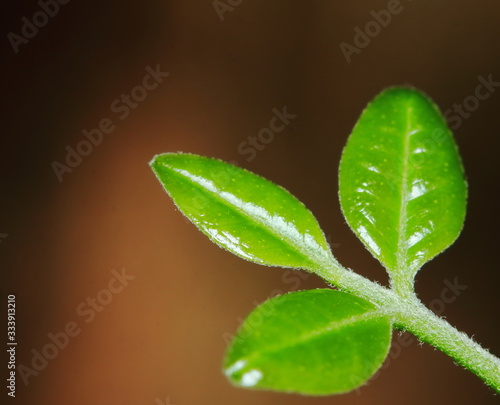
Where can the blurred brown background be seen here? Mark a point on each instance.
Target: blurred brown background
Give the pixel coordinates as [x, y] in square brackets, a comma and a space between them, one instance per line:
[160, 339]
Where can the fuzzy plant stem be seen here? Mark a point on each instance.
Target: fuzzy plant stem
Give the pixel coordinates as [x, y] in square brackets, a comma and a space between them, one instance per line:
[410, 314]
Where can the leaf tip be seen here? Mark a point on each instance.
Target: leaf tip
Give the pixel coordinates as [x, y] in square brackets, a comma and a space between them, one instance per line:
[153, 160]
[154, 163]
[165, 161]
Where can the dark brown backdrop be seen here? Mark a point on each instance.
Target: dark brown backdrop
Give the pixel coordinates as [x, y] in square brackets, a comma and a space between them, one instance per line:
[162, 336]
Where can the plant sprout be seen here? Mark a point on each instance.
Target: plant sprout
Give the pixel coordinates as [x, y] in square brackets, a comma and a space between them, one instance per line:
[403, 193]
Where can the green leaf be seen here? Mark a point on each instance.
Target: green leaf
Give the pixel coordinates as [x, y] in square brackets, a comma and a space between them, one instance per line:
[244, 213]
[402, 187]
[316, 342]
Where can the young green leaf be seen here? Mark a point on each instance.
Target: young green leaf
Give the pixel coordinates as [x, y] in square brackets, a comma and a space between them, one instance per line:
[401, 182]
[315, 342]
[244, 213]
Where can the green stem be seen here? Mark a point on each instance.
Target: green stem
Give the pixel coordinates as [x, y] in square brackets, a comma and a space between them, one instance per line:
[402, 286]
[411, 315]
[432, 329]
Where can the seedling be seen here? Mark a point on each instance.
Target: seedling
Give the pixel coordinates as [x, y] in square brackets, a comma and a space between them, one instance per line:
[403, 193]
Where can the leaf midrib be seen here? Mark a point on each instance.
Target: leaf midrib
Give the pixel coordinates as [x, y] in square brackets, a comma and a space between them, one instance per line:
[260, 223]
[329, 328]
[402, 251]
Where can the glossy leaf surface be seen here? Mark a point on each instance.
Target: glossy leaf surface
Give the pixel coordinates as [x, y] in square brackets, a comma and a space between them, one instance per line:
[243, 212]
[316, 342]
[402, 187]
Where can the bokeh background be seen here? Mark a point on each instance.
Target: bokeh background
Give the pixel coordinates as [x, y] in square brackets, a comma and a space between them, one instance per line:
[161, 339]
